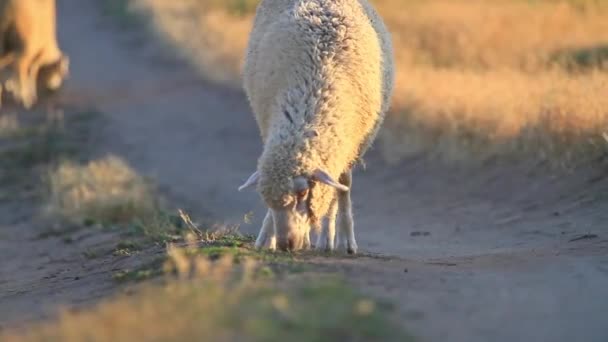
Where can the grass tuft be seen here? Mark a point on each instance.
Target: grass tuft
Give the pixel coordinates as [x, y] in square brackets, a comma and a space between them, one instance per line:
[107, 191]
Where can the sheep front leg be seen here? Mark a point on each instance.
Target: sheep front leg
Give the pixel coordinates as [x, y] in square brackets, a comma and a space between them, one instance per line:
[327, 235]
[346, 232]
[306, 244]
[266, 237]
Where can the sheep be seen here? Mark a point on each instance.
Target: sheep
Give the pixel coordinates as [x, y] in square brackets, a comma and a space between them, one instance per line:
[29, 45]
[319, 76]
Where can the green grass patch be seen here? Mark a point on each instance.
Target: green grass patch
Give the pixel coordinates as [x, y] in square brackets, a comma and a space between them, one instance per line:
[159, 227]
[126, 248]
[150, 270]
[90, 254]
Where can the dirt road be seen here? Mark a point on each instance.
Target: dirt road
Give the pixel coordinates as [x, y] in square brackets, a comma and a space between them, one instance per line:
[484, 253]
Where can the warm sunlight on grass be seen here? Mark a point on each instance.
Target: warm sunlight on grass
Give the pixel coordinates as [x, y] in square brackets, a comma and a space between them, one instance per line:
[483, 78]
[105, 190]
[220, 301]
[475, 78]
[462, 115]
[210, 34]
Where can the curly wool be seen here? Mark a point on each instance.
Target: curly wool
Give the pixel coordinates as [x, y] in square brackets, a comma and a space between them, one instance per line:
[319, 76]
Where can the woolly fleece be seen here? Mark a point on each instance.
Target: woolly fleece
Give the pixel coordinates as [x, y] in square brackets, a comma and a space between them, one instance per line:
[319, 77]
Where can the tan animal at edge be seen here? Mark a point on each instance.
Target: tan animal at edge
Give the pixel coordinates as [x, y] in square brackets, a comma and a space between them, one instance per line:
[29, 48]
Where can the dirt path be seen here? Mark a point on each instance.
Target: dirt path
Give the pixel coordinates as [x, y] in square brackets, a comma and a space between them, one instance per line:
[481, 254]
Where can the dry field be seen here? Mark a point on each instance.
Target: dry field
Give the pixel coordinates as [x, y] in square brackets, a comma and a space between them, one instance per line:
[475, 79]
[214, 286]
[202, 300]
[89, 224]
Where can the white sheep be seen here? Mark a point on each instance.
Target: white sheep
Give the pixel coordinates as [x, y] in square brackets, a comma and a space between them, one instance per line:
[319, 76]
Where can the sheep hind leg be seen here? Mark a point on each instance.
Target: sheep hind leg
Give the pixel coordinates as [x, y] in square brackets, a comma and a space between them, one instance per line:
[266, 237]
[346, 231]
[327, 235]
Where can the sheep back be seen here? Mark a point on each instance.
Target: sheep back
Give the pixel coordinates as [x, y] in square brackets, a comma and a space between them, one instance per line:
[318, 75]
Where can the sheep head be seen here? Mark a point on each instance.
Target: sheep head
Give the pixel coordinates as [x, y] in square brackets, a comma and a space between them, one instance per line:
[291, 215]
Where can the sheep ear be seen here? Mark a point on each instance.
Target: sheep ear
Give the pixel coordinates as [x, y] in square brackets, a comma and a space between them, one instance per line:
[253, 179]
[323, 177]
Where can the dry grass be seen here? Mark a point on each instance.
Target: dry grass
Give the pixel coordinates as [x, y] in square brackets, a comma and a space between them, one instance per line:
[483, 78]
[475, 78]
[462, 115]
[482, 35]
[222, 302]
[211, 34]
[105, 190]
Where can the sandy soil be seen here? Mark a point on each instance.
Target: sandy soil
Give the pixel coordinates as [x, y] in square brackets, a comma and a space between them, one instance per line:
[486, 253]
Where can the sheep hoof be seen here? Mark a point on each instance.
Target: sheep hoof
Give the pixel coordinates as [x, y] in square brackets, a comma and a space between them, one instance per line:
[259, 243]
[272, 243]
[351, 248]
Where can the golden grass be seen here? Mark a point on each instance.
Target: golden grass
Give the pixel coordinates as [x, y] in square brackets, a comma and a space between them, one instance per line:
[475, 78]
[208, 33]
[460, 115]
[223, 302]
[107, 190]
[482, 34]
[483, 78]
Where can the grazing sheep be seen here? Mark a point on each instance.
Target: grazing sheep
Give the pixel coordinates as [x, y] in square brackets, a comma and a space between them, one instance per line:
[319, 77]
[28, 44]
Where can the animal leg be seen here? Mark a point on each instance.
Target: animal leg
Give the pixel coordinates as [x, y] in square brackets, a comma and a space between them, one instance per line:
[27, 61]
[22, 86]
[32, 77]
[266, 237]
[346, 233]
[327, 236]
[306, 243]
[5, 61]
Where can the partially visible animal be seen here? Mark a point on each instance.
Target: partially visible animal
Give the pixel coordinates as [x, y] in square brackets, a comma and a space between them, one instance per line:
[319, 76]
[29, 48]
